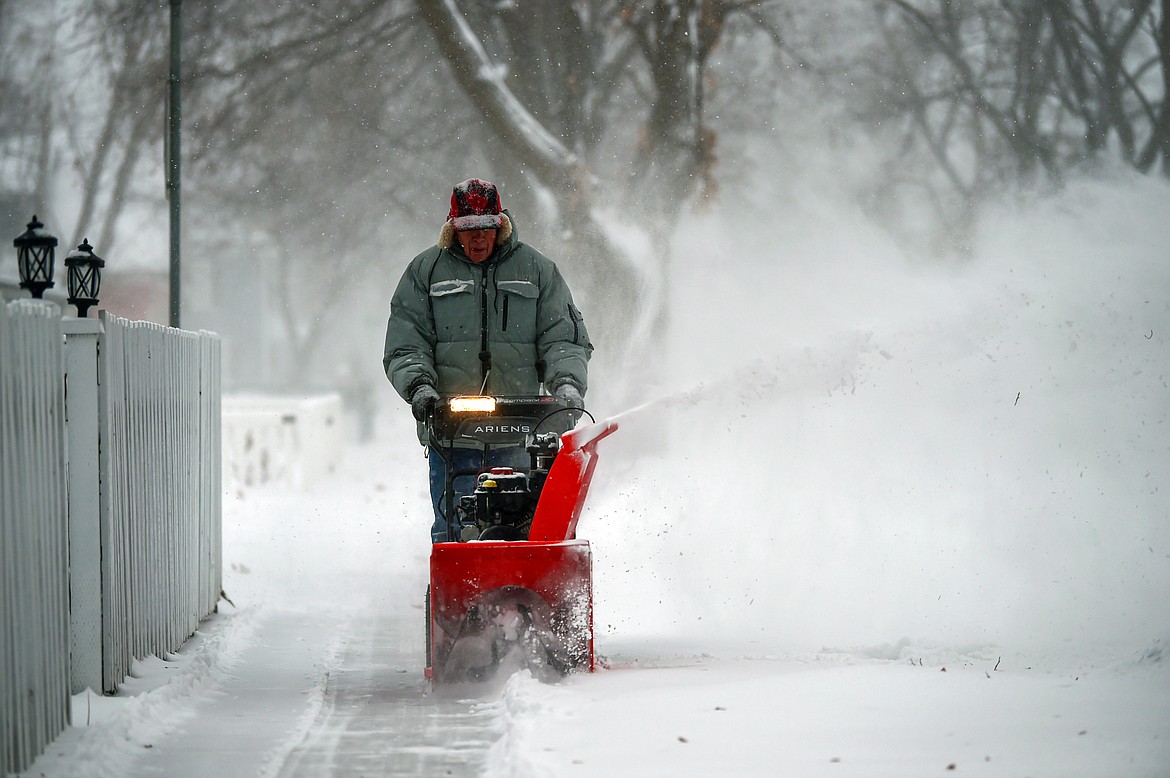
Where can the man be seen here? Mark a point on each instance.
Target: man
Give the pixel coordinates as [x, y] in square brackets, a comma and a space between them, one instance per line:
[482, 313]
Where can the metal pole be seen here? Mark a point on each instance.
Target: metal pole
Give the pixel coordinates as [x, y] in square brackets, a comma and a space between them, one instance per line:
[174, 155]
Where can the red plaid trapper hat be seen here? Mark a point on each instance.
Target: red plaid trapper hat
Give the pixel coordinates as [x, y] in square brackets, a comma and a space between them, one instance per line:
[475, 205]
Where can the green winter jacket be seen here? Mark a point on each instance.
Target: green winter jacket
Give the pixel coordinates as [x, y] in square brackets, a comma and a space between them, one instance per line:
[512, 316]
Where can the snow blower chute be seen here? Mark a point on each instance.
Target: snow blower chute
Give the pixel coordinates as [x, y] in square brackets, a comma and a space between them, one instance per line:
[514, 586]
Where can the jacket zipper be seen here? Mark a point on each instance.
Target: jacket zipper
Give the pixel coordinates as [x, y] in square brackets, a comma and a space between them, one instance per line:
[506, 298]
[485, 356]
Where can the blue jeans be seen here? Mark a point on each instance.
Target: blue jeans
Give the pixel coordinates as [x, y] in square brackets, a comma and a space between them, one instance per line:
[464, 459]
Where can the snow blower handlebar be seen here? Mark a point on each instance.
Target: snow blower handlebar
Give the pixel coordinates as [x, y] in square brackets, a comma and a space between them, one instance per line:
[498, 421]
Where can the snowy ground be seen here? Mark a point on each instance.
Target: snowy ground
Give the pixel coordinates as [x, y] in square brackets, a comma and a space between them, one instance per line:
[876, 518]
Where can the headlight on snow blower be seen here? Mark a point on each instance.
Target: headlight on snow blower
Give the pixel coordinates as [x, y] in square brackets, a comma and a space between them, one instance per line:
[472, 405]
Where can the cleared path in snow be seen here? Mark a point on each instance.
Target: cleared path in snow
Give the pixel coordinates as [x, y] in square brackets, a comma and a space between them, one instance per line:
[379, 716]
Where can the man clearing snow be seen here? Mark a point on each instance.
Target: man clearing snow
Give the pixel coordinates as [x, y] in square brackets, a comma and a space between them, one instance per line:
[482, 313]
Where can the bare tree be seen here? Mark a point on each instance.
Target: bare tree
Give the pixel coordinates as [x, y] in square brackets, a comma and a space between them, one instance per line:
[307, 127]
[1051, 82]
[1116, 69]
[998, 93]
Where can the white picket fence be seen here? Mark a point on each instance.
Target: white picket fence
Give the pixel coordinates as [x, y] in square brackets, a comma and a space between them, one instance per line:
[111, 507]
[34, 562]
[159, 420]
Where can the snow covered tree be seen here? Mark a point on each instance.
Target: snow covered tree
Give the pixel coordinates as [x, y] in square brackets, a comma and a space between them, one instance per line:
[556, 88]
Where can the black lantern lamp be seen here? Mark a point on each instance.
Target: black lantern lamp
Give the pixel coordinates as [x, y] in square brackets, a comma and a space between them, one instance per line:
[85, 277]
[34, 257]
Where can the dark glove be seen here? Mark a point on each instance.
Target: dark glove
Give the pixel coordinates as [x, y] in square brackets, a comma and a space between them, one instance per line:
[423, 400]
[568, 394]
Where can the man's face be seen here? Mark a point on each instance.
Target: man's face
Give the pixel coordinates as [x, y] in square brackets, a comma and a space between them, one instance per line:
[477, 244]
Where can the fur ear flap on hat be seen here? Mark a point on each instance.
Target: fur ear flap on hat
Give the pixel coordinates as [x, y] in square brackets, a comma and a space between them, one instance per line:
[447, 234]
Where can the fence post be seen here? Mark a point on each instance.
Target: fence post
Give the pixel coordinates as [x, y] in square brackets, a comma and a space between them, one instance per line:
[82, 344]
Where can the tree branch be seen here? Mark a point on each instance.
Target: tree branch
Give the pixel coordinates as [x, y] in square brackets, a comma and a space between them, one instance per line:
[484, 86]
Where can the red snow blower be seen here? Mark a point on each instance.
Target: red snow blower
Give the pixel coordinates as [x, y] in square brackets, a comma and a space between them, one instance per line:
[516, 587]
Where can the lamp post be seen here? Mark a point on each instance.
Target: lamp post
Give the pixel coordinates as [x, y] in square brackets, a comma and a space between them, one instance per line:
[85, 277]
[35, 249]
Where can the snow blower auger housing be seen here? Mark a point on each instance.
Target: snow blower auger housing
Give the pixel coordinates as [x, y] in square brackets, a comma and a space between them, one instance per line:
[514, 586]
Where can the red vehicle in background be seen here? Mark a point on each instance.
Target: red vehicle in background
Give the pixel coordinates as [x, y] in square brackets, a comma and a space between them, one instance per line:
[516, 589]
